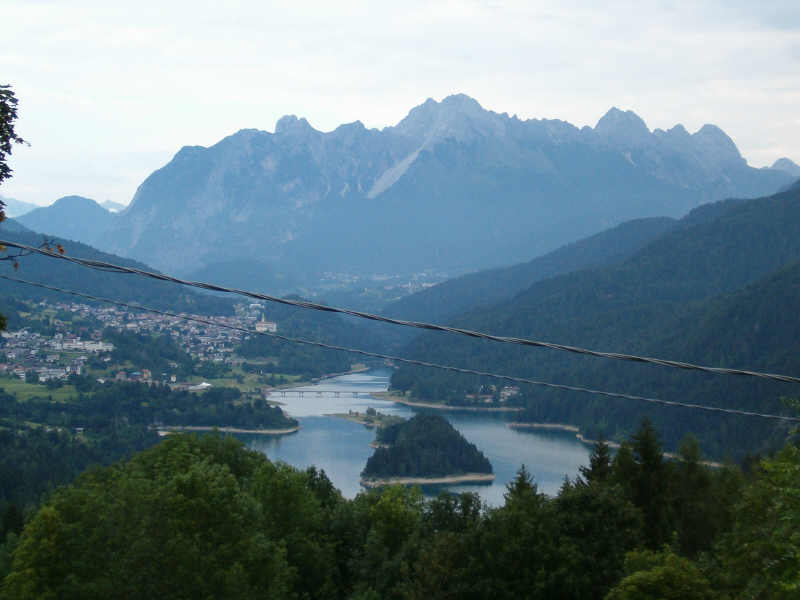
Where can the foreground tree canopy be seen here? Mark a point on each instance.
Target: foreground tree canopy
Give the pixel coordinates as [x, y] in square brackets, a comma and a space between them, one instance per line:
[203, 517]
[8, 114]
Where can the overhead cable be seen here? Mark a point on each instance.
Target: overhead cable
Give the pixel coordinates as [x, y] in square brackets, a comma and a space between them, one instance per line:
[398, 359]
[106, 266]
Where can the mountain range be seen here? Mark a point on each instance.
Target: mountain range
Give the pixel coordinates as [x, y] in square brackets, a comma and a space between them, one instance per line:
[452, 186]
[16, 208]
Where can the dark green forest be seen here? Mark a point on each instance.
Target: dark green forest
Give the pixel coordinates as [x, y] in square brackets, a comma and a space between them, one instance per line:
[45, 443]
[202, 517]
[424, 446]
[453, 297]
[146, 351]
[294, 359]
[720, 288]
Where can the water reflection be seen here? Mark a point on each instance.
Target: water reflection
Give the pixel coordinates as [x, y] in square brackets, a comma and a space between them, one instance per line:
[341, 447]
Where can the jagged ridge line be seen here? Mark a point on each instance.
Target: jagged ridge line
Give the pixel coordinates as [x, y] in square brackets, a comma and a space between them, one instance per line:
[110, 267]
[411, 361]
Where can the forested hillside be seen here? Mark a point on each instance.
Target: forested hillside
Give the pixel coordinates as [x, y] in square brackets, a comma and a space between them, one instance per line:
[485, 288]
[72, 218]
[110, 285]
[318, 326]
[206, 518]
[682, 297]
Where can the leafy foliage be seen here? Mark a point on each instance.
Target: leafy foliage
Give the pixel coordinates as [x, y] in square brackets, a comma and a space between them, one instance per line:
[8, 136]
[153, 352]
[204, 517]
[664, 576]
[424, 446]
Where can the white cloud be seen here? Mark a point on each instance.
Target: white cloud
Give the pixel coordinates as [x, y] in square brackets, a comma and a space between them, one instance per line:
[109, 91]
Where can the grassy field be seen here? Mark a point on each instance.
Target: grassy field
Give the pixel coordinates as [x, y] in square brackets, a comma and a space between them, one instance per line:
[24, 391]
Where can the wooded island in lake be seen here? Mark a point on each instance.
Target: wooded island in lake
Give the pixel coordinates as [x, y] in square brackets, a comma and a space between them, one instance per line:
[424, 449]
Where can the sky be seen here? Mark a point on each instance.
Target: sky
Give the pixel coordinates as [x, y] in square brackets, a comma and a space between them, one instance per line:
[110, 91]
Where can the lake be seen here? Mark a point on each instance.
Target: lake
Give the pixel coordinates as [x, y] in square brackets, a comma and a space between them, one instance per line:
[341, 447]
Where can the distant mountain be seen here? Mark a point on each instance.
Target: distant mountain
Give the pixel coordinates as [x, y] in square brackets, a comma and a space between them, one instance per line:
[787, 166]
[14, 226]
[684, 296]
[112, 206]
[71, 217]
[452, 186]
[16, 208]
[119, 287]
[485, 288]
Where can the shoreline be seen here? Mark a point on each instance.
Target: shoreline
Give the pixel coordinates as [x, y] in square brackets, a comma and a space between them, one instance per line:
[556, 426]
[313, 380]
[374, 482]
[590, 442]
[359, 369]
[403, 400]
[380, 420]
[353, 419]
[164, 431]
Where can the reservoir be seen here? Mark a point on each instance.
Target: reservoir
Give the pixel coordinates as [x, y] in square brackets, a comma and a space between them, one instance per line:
[341, 447]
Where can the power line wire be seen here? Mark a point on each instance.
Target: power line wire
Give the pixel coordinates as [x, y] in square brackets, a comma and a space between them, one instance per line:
[111, 267]
[409, 361]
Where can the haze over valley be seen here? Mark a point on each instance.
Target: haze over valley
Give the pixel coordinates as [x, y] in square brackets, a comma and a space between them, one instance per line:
[452, 188]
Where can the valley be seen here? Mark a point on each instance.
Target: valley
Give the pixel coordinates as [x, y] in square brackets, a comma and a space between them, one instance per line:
[577, 376]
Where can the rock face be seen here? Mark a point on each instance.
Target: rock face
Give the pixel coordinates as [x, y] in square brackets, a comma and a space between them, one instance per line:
[452, 186]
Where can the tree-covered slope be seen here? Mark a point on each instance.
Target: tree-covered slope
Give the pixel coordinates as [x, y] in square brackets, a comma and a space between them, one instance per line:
[485, 288]
[203, 517]
[72, 218]
[110, 285]
[670, 299]
[424, 446]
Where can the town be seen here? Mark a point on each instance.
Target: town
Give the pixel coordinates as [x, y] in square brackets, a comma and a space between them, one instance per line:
[37, 357]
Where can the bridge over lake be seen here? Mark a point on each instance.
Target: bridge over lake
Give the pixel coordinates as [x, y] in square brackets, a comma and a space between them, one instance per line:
[317, 392]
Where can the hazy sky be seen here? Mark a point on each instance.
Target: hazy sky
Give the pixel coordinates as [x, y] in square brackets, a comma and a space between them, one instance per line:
[109, 91]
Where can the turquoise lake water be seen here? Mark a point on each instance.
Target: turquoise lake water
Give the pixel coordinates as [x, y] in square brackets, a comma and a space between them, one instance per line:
[341, 447]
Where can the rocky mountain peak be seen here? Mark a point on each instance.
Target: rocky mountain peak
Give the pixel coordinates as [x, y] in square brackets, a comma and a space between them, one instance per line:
[787, 166]
[624, 128]
[291, 125]
[678, 131]
[457, 116]
[717, 147]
